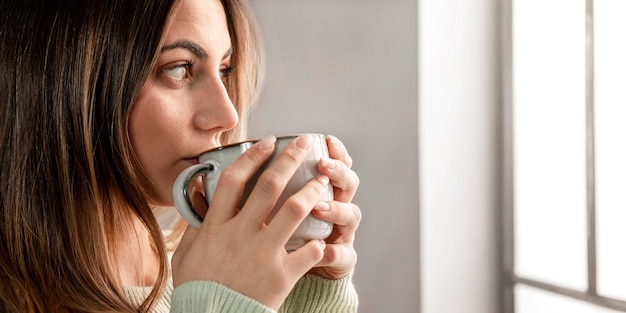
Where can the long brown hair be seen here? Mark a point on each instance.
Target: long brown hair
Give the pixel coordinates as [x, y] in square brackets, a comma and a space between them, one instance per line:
[69, 181]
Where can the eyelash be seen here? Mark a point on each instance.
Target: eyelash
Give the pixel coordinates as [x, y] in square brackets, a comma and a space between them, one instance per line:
[188, 65]
[225, 72]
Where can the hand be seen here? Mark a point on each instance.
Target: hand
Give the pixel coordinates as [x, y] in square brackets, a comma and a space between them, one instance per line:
[339, 255]
[237, 248]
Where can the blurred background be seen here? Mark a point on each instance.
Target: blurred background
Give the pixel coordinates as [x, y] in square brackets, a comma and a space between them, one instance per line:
[490, 154]
[349, 68]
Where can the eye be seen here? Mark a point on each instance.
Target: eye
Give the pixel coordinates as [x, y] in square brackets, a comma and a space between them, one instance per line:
[179, 72]
[226, 71]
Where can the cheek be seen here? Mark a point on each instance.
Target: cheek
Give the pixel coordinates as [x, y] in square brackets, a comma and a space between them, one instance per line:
[143, 127]
[152, 129]
[154, 122]
[155, 131]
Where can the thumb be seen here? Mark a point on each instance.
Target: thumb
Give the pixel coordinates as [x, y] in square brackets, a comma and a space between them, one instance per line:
[199, 202]
[306, 257]
[188, 238]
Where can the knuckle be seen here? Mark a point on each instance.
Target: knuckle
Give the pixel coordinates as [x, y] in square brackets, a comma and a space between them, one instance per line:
[291, 155]
[269, 183]
[317, 254]
[357, 213]
[351, 185]
[355, 257]
[295, 207]
[331, 255]
[320, 187]
[348, 161]
[357, 180]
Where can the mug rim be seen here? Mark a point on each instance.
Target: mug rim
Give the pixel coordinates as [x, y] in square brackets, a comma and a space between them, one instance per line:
[230, 145]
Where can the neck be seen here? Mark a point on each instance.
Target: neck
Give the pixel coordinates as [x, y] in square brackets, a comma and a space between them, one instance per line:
[137, 261]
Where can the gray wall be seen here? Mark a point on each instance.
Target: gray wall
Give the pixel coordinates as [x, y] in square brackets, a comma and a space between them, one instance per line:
[349, 68]
[459, 107]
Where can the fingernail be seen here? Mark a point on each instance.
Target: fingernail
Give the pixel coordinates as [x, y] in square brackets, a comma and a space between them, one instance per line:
[323, 243]
[266, 143]
[322, 206]
[329, 163]
[303, 141]
[334, 140]
[324, 180]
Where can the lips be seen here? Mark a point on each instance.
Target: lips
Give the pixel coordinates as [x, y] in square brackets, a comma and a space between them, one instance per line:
[192, 161]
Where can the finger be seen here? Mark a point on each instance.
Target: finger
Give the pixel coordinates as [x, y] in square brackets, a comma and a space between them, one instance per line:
[232, 181]
[189, 236]
[302, 260]
[295, 209]
[272, 182]
[345, 216]
[338, 259]
[199, 203]
[338, 151]
[342, 178]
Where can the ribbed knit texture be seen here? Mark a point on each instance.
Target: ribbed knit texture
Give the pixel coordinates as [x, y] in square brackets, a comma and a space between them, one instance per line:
[138, 295]
[311, 294]
[208, 296]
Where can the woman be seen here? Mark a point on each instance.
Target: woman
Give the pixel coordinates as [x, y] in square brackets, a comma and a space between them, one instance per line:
[103, 104]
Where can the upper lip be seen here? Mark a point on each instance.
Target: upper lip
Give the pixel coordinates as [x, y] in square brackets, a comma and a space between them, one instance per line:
[193, 160]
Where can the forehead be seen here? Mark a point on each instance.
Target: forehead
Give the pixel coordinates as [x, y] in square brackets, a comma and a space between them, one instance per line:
[201, 21]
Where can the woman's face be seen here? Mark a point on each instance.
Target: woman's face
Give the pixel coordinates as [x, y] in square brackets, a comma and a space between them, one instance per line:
[183, 107]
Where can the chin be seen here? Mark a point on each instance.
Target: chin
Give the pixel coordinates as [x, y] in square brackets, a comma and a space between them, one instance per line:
[160, 198]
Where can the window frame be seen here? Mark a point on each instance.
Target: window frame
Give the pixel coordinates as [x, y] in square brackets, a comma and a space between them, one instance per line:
[510, 278]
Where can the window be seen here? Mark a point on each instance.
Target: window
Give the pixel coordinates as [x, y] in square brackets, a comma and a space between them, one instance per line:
[565, 156]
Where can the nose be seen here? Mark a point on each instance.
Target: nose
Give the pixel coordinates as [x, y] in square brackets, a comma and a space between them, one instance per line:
[214, 110]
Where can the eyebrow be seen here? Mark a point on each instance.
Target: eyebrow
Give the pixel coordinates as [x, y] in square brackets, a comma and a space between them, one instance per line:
[193, 48]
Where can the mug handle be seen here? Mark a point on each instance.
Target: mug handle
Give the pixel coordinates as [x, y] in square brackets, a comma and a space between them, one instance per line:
[181, 194]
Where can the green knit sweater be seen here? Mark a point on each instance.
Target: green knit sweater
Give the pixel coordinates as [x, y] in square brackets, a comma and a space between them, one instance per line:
[311, 294]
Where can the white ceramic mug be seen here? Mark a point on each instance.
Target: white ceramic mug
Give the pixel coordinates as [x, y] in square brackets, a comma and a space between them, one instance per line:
[214, 161]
